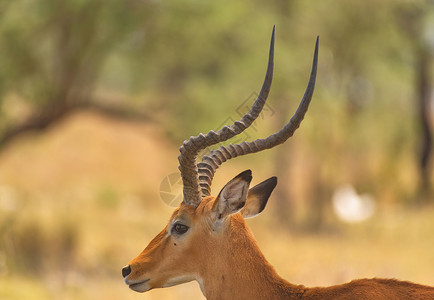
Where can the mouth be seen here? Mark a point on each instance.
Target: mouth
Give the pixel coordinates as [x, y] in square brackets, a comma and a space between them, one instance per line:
[139, 286]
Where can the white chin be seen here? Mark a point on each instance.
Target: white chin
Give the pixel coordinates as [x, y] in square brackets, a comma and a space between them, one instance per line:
[140, 287]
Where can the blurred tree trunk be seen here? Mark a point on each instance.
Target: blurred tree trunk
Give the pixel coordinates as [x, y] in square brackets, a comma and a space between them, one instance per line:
[282, 163]
[411, 19]
[423, 86]
[318, 199]
[319, 192]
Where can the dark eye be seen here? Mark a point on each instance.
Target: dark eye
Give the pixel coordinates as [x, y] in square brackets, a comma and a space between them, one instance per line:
[179, 228]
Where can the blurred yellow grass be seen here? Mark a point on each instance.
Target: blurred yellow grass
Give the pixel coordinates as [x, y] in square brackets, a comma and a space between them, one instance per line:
[83, 199]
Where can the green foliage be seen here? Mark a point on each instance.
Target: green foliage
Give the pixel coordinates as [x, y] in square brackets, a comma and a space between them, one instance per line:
[191, 64]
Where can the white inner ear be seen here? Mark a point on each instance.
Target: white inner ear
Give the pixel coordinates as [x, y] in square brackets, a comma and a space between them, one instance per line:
[235, 191]
[232, 198]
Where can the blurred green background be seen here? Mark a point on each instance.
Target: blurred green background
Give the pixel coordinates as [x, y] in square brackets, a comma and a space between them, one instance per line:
[97, 96]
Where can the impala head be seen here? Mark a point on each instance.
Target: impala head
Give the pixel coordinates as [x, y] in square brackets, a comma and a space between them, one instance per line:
[182, 251]
[205, 232]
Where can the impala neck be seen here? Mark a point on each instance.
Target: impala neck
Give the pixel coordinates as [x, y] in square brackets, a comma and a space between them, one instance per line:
[241, 271]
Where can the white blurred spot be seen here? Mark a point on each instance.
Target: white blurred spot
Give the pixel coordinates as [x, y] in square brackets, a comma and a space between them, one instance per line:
[351, 207]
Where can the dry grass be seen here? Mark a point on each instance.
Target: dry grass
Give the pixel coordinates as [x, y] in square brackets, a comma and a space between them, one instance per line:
[78, 202]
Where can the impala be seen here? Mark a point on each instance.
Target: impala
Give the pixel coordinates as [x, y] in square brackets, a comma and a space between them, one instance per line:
[207, 238]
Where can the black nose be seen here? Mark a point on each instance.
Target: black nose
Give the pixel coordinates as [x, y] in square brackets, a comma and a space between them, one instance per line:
[126, 271]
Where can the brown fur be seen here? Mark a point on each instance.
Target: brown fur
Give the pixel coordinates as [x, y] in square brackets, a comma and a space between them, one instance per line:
[375, 288]
[229, 265]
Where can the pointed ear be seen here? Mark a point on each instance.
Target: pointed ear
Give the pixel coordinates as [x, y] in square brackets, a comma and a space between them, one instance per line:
[258, 198]
[232, 197]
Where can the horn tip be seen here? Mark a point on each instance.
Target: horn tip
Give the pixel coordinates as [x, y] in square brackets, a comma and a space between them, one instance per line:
[316, 50]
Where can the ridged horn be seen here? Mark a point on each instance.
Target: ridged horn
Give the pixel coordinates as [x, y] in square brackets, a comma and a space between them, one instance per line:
[191, 147]
[211, 162]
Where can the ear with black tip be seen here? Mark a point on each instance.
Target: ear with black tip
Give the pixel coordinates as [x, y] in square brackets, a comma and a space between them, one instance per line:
[232, 197]
[258, 197]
